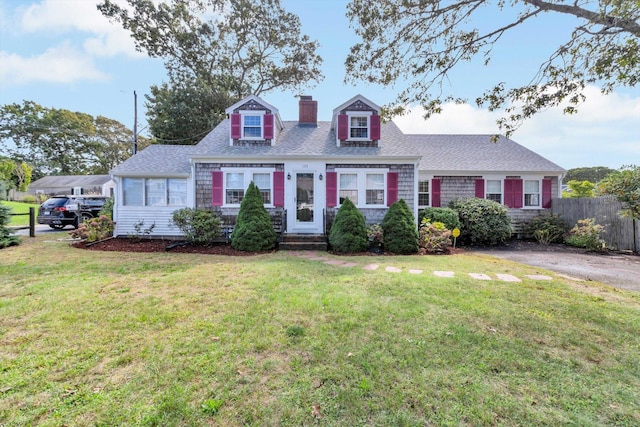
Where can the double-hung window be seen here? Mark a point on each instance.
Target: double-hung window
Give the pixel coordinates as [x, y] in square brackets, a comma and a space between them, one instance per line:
[263, 182]
[348, 187]
[234, 188]
[375, 188]
[423, 193]
[154, 192]
[358, 127]
[252, 126]
[494, 190]
[531, 193]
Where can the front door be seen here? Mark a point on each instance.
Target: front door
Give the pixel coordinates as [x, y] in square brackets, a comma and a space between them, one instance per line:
[305, 204]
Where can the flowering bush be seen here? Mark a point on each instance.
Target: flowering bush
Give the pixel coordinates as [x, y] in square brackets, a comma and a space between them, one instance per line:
[375, 236]
[433, 237]
[586, 234]
[94, 229]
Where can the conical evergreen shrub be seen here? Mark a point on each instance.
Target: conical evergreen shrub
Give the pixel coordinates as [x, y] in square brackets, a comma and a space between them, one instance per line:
[348, 233]
[254, 230]
[7, 238]
[399, 229]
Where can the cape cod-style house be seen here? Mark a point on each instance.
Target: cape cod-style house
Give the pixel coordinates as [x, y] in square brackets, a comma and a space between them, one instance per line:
[306, 168]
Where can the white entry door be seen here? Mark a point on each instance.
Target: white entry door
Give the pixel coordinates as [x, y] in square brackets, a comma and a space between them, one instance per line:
[305, 200]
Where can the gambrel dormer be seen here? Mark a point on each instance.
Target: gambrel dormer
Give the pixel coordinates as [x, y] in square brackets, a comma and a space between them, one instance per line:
[254, 122]
[357, 123]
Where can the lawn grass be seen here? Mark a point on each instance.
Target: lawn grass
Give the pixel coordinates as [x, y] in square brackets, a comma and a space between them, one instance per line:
[19, 208]
[104, 338]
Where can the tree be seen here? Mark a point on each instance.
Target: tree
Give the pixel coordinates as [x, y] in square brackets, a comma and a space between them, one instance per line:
[400, 230]
[348, 233]
[579, 189]
[182, 112]
[591, 174]
[51, 141]
[423, 41]
[7, 236]
[253, 231]
[625, 186]
[220, 49]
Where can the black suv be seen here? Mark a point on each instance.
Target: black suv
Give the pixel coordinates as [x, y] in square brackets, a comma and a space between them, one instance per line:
[60, 211]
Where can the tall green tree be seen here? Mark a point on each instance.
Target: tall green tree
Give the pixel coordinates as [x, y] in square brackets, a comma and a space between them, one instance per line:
[579, 189]
[215, 51]
[51, 141]
[592, 174]
[183, 111]
[624, 184]
[424, 41]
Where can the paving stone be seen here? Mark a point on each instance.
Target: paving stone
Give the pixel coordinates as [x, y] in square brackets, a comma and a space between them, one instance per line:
[319, 258]
[415, 271]
[575, 279]
[444, 273]
[508, 278]
[349, 264]
[334, 262]
[392, 269]
[539, 277]
[371, 267]
[480, 276]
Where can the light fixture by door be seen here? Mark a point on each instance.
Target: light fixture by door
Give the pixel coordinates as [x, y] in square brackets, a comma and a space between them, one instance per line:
[289, 176]
[320, 177]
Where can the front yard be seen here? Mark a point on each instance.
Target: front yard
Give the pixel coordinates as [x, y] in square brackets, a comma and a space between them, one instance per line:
[164, 339]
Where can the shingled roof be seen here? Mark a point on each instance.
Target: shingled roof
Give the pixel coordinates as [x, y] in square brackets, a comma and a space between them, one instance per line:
[70, 181]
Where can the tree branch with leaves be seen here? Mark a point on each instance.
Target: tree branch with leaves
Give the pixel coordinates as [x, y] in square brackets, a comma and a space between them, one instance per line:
[423, 41]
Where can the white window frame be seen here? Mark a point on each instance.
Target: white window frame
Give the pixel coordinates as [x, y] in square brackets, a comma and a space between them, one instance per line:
[247, 178]
[359, 114]
[143, 192]
[486, 188]
[251, 113]
[538, 193]
[428, 193]
[362, 185]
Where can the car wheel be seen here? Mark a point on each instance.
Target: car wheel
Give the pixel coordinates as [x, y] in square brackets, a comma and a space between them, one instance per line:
[81, 219]
[57, 226]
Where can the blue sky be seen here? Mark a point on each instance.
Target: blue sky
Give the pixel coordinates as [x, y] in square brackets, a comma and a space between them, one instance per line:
[64, 54]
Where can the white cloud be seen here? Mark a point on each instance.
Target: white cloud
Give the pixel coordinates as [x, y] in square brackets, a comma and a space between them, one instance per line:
[605, 132]
[73, 16]
[61, 64]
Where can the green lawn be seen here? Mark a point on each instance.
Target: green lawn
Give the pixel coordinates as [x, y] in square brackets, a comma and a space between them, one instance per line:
[18, 208]
[114, 339]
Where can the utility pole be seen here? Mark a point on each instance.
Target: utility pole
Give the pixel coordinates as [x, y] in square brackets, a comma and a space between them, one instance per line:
[135, 122]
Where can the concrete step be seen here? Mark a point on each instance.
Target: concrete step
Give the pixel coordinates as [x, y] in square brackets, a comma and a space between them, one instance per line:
[303, 246]
[304, 238]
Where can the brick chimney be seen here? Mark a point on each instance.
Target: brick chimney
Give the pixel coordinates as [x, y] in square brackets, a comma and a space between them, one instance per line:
[308, 116]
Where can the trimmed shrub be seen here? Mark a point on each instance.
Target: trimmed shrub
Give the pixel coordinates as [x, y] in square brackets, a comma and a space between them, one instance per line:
[94, 229]
[433, 237]
[400, 232]
[375, 236]
[254, 230]
[547, 229]
[348, 233]
[447, 216]
[7, 237]
[484, 222]
[199, 226]
[107, 208]
[586, 234]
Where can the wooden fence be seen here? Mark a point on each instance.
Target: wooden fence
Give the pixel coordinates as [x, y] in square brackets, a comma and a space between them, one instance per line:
[620, 233]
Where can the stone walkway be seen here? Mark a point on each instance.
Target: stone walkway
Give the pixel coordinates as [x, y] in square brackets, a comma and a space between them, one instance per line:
[314, 256]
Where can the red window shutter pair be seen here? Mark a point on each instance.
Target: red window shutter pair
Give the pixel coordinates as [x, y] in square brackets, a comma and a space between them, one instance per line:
[513, 193]
[343, 127]
[217, 188]
[236, 126]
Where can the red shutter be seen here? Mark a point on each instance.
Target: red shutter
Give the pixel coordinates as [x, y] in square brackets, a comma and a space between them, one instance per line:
[546, 193]
[217, 192]
[435, 193]
[375, 127]
[392, 188]
[513, 193]
[278, 189]
[236, 126]
[332, 189]
[343, 126]
[480, 188]
[268, 126]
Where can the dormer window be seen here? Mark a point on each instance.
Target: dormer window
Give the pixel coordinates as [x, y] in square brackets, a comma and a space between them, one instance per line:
[358, 127]
[251, 126]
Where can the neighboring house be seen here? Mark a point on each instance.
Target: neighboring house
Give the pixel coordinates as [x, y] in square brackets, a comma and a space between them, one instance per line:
[73, 184]
[306, 169]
